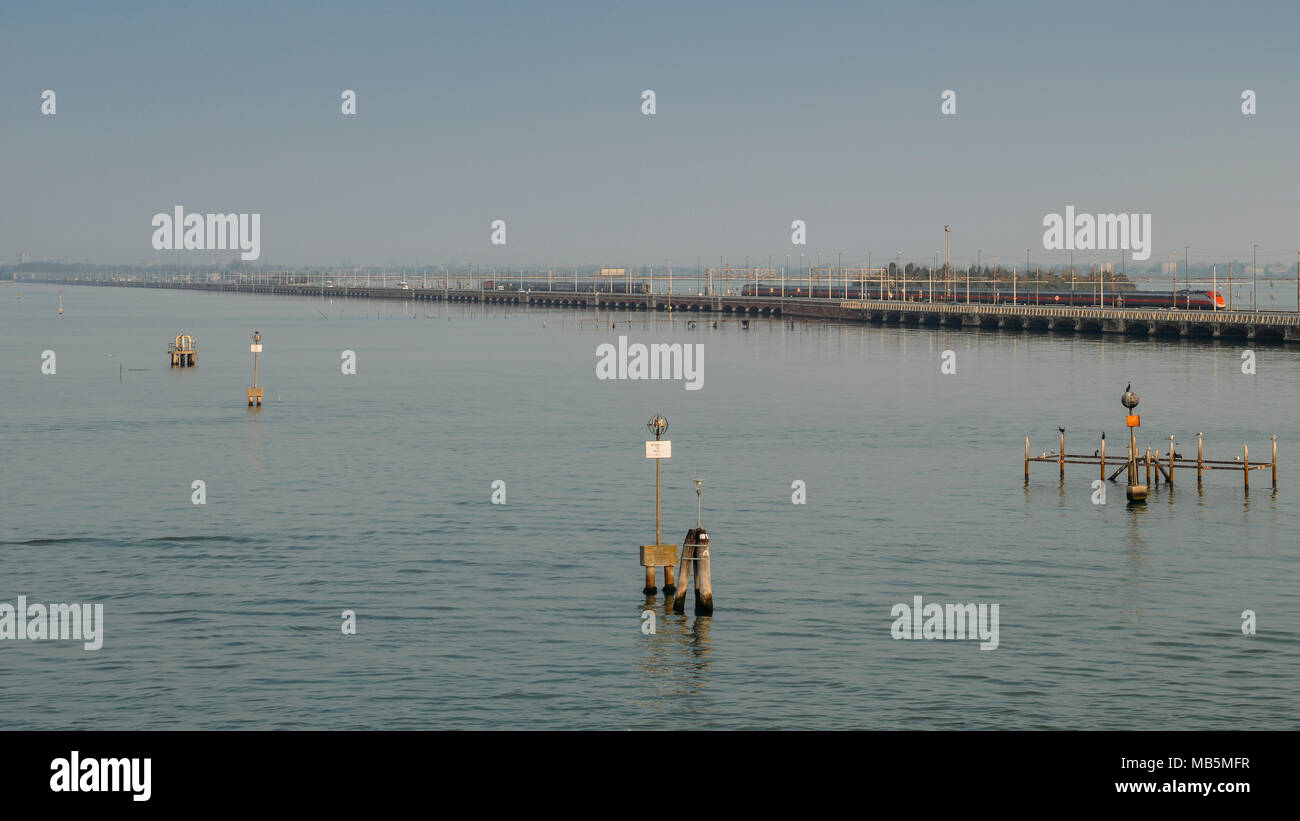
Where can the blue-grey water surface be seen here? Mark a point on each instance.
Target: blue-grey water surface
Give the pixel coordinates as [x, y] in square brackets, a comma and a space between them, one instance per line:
[372, 492]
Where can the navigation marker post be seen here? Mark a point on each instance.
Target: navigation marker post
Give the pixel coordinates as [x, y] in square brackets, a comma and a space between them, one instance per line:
[255, 392]
[1135, 492]
[658, 554]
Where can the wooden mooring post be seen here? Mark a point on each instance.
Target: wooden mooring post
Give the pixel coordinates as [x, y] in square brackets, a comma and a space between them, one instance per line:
[1156, 467]
[695, 554]
[1200, 457]
[695, 559]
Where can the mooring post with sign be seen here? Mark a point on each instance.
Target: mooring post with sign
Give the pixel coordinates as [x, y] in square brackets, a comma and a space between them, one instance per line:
[255, 392]
[695, 555]
[658, 554]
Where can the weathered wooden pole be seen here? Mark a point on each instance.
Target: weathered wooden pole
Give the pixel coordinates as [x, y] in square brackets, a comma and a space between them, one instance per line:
[688, 559]
[1132, 457]
[1061, 457]
[703, 577]
[1245, 453]
[1026, 461]
[1200, 460]
[1149, 468]
[1103, 457]
[1171, 462]
[1275, 461]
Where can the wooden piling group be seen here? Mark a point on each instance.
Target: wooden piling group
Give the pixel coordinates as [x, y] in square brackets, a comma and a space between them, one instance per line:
[1157, 469]
[695, 560]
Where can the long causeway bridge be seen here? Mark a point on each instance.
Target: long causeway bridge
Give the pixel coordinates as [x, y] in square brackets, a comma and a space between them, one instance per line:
[1263, 326]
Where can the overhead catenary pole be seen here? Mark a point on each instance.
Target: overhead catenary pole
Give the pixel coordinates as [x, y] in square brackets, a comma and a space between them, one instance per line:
[1254, 275]
[947, 261]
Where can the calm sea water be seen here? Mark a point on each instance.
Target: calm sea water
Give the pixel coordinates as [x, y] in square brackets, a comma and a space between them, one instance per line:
[371, 492]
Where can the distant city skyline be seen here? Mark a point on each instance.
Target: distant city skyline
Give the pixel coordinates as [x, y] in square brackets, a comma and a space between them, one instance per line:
[765, 113]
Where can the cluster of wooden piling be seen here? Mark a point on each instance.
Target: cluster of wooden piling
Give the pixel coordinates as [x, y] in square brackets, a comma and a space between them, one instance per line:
[695, 559]
[1156, 465]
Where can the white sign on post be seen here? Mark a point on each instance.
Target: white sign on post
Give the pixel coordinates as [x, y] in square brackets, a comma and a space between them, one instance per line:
[255, 348]
[660, 449]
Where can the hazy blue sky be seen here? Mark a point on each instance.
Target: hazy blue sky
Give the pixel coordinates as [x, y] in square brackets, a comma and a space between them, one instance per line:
[529, 112]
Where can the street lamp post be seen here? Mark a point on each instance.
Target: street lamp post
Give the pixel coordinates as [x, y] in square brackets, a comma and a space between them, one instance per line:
[699, 485]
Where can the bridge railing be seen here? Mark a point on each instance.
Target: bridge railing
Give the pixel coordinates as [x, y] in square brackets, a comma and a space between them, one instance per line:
[1210, 317]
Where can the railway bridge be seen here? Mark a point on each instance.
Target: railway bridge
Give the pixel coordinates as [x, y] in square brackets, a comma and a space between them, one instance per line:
[1148, 322]
[1264, 326]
